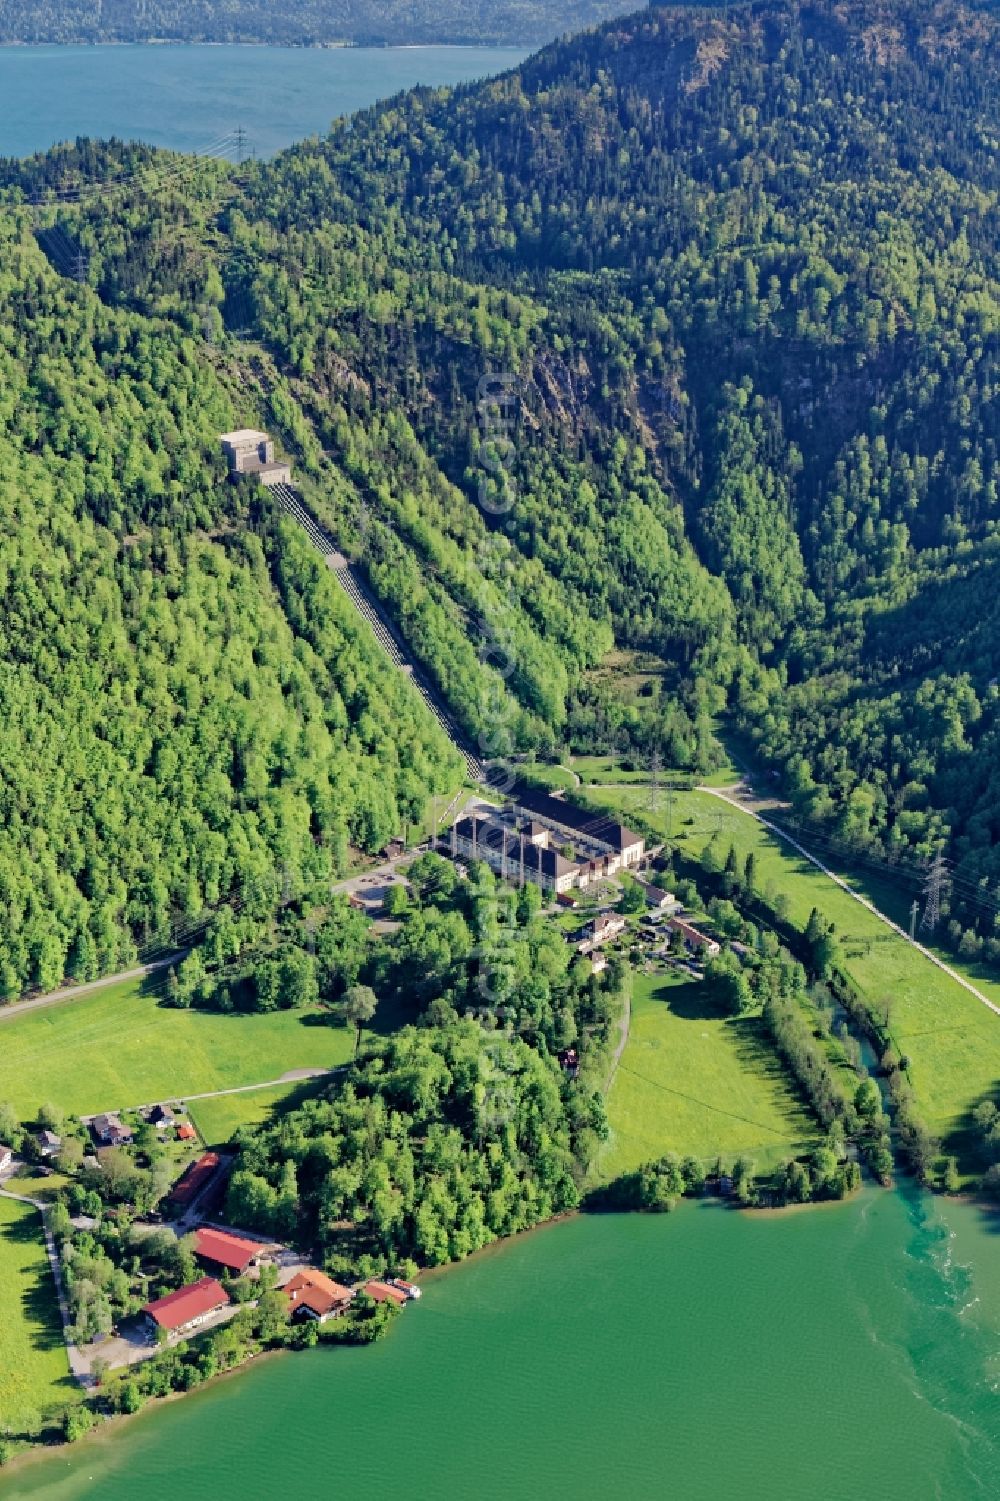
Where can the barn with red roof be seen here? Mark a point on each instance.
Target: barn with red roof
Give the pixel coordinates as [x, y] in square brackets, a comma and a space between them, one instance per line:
[188, 1307]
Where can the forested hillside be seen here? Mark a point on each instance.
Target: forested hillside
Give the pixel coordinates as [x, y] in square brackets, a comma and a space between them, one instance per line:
[168, 739]
[735, 275]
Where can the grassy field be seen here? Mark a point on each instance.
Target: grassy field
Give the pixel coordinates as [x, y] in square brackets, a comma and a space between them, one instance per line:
[34, 1374]
[217, 1119]
[952, 1040]
[605, 769]
[35, 1184]
[608, 770]
[556, 777]
[118, 1047]
[693, 1082]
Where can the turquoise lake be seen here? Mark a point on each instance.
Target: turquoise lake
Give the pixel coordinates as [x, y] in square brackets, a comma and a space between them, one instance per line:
[189, 98]
[844, 1352]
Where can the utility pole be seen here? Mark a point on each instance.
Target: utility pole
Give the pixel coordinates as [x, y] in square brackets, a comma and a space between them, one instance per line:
[934, 885]
[914, 913]
[81, 264]
[240, 144]
[670, 807]
[653, 781]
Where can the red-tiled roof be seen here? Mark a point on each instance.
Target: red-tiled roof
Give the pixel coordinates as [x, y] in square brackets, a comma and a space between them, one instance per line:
[188, 1303]
[691, 933]
[186, 1132]
[383, 1293]
[232, 1251]
[316, 1291]
[194, 1178]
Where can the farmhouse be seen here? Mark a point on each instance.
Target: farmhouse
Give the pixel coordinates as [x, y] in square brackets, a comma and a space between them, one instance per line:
[233, 1252]
[195, 1178]
[109, 1131]
[605, 927]
[314, 1295]
[162, 1116]
[48, 1143]
[186, 1132]
[6, 1158]
[658, 899]
[188, 1307]
[693, 938]
[251, 452]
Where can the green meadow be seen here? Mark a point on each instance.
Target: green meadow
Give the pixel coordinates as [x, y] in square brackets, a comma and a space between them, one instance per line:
[217, 1119]
[118, 1047]
[34, 1373]
[951, 1039]
[696, 1083]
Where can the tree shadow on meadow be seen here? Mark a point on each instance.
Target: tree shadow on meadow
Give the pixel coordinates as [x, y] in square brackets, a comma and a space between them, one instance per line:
[694, 1002]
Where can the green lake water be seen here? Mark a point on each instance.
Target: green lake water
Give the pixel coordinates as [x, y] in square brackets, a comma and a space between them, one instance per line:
[187, 98]
[844, 1352]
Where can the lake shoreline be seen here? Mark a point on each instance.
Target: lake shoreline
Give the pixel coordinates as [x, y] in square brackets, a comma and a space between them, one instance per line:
[719, 1282]
[188, 96]
[107, 1426]
[161, 42]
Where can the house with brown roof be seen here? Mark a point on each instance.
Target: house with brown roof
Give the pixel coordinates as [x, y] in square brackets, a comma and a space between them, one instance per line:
[605, 927]
[109, 1131]
[187, 1308]
[658, 899]
[693, 937]
[314, 1295]
[385, 1292]
[195, 1178]
[569, 1059]
[236, 1253]
[186, 1132]
[48, 1143]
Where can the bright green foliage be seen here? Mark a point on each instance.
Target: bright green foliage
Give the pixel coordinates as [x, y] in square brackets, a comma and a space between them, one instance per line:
[737, 280]
[440, 1141]
[34, 1375]
[182, 712]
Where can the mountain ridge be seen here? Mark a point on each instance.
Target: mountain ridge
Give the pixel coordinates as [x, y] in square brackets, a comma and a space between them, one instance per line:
[741, 270]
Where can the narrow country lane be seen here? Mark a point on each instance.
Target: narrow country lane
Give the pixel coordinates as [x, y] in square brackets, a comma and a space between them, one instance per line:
[76, 992]
[780, 833]
[78, 1362]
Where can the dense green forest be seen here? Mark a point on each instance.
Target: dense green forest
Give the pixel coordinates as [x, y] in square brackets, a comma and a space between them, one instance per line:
[731, 280]
[169, 736]
[515, 23]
